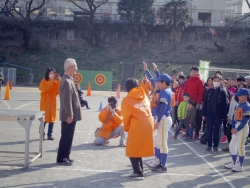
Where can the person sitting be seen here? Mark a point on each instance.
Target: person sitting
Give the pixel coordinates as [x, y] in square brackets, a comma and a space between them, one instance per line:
[111, 118]
[80, 94]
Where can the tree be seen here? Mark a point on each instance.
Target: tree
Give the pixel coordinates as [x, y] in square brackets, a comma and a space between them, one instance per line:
[137, 18]
[89, 8]
[23, 18]
[175, 15]
[242, 18]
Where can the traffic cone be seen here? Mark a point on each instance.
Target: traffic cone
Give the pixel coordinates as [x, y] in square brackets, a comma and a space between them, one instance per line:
[11, 85]
[89, 90]
[7, 92]
[100, 107]
[118, 92]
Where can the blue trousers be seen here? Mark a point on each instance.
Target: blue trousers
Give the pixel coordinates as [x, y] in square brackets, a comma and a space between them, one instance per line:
[180, 125]
[213, 130]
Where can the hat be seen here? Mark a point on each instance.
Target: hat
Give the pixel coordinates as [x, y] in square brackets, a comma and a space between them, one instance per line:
[186, 94]
[182, 77]
[247, 77]
[241, 78]
[191, 102]
[163, 77]
[242, 91]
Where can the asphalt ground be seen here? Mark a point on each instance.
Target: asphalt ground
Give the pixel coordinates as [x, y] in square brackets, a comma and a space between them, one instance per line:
[104, 166]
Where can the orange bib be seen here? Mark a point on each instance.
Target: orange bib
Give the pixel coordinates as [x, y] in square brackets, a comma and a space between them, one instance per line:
[238, 114]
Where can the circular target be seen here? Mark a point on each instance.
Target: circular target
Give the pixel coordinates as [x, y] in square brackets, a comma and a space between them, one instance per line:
[77, 78]
[100, 79]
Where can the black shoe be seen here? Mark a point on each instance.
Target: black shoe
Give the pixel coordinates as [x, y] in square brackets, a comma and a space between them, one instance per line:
[208, 150]
[225, 149]
[139, 177]
[71, 160]
[50, 138]
[88, 108]
[65, 162]
[159, 169]
[216, 150]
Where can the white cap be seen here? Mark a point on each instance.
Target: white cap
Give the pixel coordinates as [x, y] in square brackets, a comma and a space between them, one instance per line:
[247, 77]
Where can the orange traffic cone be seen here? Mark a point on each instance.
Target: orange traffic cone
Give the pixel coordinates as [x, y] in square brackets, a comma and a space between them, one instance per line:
[7, 92]
[118, 92]
[89, 90]
[11, 85]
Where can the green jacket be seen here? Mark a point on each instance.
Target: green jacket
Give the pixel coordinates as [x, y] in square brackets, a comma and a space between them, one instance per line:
[182, 110]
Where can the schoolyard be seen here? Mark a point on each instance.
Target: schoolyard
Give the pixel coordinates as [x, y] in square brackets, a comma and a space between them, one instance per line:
[103, 166]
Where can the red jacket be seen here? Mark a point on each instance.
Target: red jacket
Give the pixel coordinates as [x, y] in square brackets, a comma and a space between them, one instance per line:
[176, 91]
[180, 94]
[195, 88]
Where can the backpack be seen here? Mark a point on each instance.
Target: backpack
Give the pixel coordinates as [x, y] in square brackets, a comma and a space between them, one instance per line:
[203, 138]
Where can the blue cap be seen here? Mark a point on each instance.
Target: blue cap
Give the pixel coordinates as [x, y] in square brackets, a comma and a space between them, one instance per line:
[163, 77]
[241, 78]
[242, 91]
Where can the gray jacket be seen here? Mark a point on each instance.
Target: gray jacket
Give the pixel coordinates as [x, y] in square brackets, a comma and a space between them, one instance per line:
[69, 101]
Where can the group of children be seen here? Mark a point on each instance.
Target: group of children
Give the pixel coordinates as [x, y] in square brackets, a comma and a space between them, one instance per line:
[187, 118]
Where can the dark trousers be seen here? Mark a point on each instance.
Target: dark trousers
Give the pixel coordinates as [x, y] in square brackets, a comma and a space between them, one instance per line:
[137, 164]
[213, 130]
[198, 121]
[67, 134]
[229, 133]
[84, 103]
[50, 128]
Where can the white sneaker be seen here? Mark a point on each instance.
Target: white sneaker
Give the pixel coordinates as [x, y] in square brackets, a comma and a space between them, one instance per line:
[238, 168]
[154, 164]
[151, 161]
[229, 166]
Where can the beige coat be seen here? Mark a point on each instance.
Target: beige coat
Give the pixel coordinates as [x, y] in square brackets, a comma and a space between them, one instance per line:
[69, 101]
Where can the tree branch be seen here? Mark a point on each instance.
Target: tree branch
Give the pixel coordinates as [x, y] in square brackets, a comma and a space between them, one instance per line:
[79, 6]
[102, 3]
[38, 8]
[248, 3]
[235, 23]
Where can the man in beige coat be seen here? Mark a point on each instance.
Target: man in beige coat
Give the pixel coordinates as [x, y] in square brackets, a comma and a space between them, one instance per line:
[70, 112]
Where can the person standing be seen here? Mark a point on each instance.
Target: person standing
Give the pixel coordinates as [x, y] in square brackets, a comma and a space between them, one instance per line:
[163, 122]
[146, 85]
[239, 131]
[190, 120]
[195, 88]
[70, 112]
[214, 110]
[139, 124]
[49, 87]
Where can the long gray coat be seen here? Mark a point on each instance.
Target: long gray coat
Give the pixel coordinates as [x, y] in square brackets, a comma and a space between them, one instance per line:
[69, 101]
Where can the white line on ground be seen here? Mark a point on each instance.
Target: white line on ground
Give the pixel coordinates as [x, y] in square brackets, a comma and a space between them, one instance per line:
[6, 104]
[114, 171]
[25, 105]
[206, 161]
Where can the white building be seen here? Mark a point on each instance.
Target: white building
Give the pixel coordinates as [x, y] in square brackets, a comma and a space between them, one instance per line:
[208, 12]
[237, 7]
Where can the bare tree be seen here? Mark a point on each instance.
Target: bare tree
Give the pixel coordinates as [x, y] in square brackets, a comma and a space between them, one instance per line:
[244, 17]
[24, 17]
[89, 7]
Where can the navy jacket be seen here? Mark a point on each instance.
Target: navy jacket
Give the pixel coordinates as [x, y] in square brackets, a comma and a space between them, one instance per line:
[219, 108]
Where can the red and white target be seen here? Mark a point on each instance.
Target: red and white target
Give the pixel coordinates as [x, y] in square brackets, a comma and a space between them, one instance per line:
[100, 79]
[77, 78]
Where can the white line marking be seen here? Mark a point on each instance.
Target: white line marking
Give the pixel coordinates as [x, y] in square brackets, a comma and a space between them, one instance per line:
[25, 105]
[205, 160]
[6, 104]
[114, 171]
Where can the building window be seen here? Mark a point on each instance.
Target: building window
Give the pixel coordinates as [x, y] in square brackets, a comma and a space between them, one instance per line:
[68, 12]
[205, 17]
